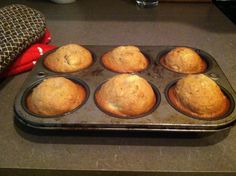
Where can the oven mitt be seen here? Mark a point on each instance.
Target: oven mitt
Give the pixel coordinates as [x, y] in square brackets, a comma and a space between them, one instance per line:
[20, 27]
[29, 57]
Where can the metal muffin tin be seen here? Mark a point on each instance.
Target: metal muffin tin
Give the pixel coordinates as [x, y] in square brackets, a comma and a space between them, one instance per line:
[89, 117]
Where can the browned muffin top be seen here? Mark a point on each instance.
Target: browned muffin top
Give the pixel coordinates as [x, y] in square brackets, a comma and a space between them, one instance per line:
[201, 96]
[126, 95]
[69, 58]
[125, 59]
[54, 96]
[184, 60]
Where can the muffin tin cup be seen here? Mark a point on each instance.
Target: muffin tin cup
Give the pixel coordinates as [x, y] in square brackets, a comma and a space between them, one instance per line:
[53, 50]
[229, 110]
[158, 100]
[89, 117]
[203, 55]
[150, 63]
[35, 84]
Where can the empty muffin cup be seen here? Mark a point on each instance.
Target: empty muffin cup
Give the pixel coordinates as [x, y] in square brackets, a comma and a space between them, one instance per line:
[55, 96]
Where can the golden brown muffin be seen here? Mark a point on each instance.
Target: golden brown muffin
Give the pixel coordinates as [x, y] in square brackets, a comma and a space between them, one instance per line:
[184, 60]
[54, 96]
[199, 96]
[69, 58]
[125, 59]
[126, 95]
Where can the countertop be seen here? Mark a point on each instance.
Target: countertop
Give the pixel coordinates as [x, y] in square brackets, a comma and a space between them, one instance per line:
[106, 22]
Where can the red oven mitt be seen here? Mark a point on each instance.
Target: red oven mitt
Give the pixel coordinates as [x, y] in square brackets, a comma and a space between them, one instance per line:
[29, 57]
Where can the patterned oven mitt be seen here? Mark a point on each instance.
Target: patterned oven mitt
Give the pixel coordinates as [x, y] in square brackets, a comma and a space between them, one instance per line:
[20, 26]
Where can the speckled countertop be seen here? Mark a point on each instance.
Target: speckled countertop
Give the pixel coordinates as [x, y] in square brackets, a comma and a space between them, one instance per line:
[119, 22]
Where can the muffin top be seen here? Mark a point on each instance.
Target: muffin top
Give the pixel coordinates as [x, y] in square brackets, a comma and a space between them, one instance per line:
[69, 58]
[126, 95]
[184, 60]
[54, 96]
[125, 59]
[201, 95]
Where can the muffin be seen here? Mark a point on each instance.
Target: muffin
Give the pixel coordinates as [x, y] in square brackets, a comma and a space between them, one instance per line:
[68, 58]
[126, 95]
[54, 96]
[184, 60]
[199, 96]
[125, 59]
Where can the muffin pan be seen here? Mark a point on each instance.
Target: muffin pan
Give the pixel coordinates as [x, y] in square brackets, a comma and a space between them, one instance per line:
[163, 117]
